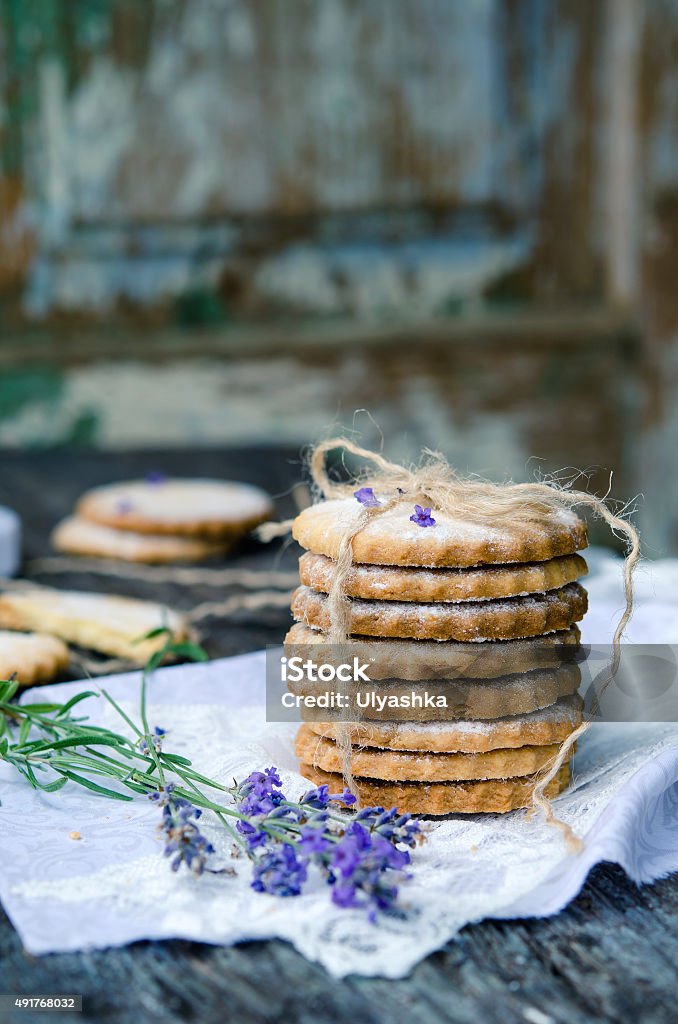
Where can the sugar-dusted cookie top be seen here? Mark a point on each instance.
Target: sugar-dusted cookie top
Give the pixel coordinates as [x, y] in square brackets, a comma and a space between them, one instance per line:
[392, 538]
[77, 536]
[210, 508]
[31, 657]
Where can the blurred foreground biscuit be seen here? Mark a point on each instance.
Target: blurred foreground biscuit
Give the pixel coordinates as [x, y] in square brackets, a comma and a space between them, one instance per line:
[32, 657]
[99, 622]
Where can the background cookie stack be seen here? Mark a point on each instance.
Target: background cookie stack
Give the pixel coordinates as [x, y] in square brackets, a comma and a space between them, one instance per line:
[159, 520]
[485, 614]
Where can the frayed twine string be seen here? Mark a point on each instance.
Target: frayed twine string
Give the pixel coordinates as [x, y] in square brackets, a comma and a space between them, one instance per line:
[185, 575]
[240, 602]
[434, 482]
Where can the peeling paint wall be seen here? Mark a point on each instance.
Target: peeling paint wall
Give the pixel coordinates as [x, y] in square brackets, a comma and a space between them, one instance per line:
[236, 164]
[419, 396]
[268, 154]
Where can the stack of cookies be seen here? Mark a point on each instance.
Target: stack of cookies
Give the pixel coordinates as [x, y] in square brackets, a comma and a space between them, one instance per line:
[483, 616]
[160, 520]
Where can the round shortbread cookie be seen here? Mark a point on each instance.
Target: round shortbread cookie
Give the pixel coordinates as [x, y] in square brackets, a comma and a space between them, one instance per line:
[406, 583]
[390, 538]
[402, 766]
[466, 699]
[101, 622]
[434, 659]
[508, 619]
[32, 657]
[539, 728]
[491, 796]
[209, 508]
[78, 536]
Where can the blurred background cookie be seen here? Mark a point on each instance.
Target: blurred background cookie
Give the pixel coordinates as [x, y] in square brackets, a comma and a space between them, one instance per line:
[183, 508]
[78, 536]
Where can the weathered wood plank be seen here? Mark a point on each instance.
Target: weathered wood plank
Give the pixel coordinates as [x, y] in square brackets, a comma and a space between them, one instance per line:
[596, 962]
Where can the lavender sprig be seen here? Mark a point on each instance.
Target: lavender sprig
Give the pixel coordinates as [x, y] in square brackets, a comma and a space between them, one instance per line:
[363, 855]
[183, 840]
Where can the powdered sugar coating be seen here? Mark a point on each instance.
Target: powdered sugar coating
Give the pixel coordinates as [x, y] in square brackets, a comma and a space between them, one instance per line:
[411, 583]
[405, 766]
[190, 507]
[389, 538]
[548, 725]
[435, 659]
[505, 619]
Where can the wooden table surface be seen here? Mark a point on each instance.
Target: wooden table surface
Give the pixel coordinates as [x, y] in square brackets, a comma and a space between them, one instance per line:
[610, 956]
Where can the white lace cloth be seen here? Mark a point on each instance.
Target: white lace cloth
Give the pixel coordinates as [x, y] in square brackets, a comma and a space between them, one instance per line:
[113, 886]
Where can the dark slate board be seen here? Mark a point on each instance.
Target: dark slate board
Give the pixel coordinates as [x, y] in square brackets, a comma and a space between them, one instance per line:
[611, 956]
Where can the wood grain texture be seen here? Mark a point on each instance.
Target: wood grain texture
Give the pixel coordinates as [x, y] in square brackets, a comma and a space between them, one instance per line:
[609, 957]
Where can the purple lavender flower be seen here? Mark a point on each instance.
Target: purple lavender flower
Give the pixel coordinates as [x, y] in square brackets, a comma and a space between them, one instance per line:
[344, 896]
[363, 855]
[364, 862]
[422, 516]
[359, 835]
[346, 797]
[157, 737]
[183, 840]
[318, 797]
[260, 792]
[346, 856]
[313, 840]
[254, 837]
[280, 872]
[155, 476]
[366, 497]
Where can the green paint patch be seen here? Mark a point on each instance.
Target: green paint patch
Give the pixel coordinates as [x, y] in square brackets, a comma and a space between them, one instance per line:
[21, 388]
[200, 307]
[82, 432]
